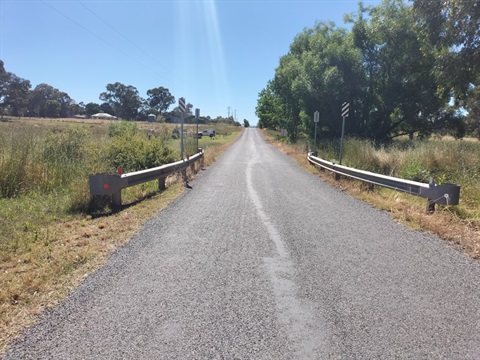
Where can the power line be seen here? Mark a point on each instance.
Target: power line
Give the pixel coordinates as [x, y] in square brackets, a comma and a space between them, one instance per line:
[122, 35]
[101, 38]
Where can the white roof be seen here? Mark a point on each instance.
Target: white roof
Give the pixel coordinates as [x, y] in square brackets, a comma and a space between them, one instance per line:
[103, 116]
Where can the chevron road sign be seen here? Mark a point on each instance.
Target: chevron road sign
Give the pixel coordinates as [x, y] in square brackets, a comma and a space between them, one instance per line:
[345, 109]
[181, 104]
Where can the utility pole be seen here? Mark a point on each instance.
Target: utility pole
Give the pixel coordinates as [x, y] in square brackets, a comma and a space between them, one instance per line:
[228, 113]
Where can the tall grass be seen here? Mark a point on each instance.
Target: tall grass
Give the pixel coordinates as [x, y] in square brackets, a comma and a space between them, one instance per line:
[44, 173]
[20, 154]
[42, 177]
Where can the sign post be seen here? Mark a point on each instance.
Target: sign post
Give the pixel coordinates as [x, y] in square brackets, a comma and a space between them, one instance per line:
[197, 116]
[345, 111]
[181, 107]
[316, 117]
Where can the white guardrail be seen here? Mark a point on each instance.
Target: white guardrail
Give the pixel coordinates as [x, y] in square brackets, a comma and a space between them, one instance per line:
[107, 184]
[444, 194]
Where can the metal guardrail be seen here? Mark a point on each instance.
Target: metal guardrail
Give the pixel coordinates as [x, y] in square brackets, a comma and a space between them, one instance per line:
[444, 194]
[112, 184]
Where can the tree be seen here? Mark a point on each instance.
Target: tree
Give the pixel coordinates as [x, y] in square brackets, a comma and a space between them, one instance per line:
[52, 108]
[188, 109]
[66, 103]
[451, 28]
[77, 109]
[17, 95]
[246, 123]
[107, 108]
[331, 74]
[159, 100]
[321, 71]
[44, 100]
[383, 67]
[268, 108]
[14, 92]
[38, 101]
[4, 78]
[125, 100]
[92, 108]
[403, 97]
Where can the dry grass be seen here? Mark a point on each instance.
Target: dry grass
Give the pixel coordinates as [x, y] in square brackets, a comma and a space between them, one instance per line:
[34, 281]
[75, 246]
[404, 208]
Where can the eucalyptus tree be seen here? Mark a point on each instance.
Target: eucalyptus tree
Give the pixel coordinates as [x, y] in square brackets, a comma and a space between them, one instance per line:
[14, 92]
[159, 99]
[17, 94]
[451, 28]
[92, 108]
[124, 99]
[4, 77]
[40, 95]
[402, 95]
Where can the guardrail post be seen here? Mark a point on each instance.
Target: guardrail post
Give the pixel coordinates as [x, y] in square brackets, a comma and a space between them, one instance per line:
[430, 206]
[162, 183]
[117, 198]
[200, 150]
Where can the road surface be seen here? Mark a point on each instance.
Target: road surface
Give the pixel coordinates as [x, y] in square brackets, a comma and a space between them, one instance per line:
[262, 260]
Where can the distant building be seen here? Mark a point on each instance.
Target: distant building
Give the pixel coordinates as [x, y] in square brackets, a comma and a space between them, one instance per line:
[103, 116]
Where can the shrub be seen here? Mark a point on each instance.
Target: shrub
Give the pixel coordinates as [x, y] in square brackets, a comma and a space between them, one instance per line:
[122, 128]
[132, 150]
[413, 170]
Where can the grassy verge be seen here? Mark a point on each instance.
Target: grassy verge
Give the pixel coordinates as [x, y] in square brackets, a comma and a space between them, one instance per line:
[47, 246]
[446, 160]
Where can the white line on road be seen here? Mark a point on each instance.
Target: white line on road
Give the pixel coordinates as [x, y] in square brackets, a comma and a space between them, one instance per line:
[296, 315]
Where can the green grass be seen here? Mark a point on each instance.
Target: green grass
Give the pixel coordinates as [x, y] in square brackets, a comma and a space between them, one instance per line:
[45, 165]
[49, 237]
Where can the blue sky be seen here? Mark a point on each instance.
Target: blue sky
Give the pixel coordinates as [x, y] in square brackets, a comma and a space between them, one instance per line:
[216, 54]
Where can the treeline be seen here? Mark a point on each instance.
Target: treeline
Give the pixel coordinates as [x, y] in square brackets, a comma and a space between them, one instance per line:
[17, 98]
[406, 68]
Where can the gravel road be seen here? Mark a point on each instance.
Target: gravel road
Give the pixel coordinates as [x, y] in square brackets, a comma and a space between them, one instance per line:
[262, 260]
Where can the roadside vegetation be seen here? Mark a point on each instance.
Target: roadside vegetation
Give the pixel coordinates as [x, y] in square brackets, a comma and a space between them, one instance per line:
[51, 233]
[408, 73]
[444, 159]
[406, 68]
